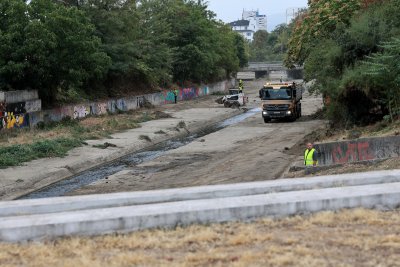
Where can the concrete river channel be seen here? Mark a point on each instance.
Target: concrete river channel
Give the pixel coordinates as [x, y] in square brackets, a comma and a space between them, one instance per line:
[65, 186]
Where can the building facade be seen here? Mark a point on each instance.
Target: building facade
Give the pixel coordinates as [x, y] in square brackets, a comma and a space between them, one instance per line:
[251, 22]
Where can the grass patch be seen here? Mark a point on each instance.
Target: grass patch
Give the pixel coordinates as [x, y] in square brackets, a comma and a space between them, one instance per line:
[14, 155]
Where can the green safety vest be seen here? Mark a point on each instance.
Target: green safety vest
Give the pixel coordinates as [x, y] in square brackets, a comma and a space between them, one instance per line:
[308, 157]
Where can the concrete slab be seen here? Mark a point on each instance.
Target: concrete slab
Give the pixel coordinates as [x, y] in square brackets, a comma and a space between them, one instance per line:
[63, 204]
[171, 214]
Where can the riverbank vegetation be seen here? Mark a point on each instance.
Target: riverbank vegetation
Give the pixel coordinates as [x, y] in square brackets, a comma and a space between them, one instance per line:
[350, 52]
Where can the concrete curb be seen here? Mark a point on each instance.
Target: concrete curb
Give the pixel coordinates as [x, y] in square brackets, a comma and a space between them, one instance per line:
[97, 201]
[124, 212]
[171, 214]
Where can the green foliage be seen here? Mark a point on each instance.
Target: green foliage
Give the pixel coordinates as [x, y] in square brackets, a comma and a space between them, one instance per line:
[352, 57]
[17, 154]
[270, 46]
[241, 50]
[49, 47]
[384, 69]
[321, 19]
[92, 48]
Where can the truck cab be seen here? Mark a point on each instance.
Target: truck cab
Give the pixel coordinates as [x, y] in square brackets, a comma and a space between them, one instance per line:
[280, 101]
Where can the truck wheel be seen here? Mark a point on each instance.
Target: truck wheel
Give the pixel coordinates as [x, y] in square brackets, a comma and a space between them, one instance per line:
[227, 104]
[266, 120]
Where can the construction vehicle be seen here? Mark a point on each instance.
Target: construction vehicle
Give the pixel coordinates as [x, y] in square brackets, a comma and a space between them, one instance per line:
[235, 98]
[280, 101]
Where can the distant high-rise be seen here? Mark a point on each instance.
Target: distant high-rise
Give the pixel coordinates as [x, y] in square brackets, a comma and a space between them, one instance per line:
[260, 20]
[251, 22]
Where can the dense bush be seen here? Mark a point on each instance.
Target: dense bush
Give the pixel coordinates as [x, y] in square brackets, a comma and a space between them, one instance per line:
[352, 54]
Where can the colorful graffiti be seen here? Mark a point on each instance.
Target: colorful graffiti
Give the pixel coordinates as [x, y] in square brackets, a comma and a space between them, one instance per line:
[205, 90]
[351, 152]
[2, 109]
[169, 97]
[28, 110]
[189, 93]
[11, 120]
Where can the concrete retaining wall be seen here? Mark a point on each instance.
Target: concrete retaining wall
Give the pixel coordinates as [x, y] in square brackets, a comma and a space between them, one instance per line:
[29, 110]
[359, 150]
[18, 96]
[16, 106]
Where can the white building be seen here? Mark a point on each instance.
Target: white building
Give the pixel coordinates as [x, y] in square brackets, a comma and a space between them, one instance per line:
[251, 22]
[244, 28]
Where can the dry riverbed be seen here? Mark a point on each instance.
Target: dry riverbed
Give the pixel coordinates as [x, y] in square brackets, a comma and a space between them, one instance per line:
[346, 238]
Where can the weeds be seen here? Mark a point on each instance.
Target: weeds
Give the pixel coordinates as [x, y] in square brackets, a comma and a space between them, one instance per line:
[16, 154]
[181, 124]
[54, 139]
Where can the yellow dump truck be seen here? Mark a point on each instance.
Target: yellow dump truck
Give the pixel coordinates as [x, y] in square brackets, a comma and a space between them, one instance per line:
[280, 101]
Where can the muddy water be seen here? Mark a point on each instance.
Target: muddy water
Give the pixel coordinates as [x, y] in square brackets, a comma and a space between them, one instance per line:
[87, 177]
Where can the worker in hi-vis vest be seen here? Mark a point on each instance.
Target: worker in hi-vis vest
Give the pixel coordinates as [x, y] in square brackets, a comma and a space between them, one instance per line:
[310, 156]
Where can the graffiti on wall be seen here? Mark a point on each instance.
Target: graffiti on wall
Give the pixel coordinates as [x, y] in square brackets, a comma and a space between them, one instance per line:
[29, 112]
[189, 93]
[33, 105]
[351, 152]
[11, 120]
[121, 106]
[101, 108]
[13, 115]
[169, 97]
[2, 109]
[81, 112]
[140, 101]
[205, 90]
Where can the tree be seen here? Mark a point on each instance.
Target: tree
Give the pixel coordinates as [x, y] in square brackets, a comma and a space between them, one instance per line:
[49, 47]
[321, 19]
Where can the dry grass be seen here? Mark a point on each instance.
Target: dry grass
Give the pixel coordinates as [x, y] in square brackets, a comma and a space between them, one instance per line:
[348, 238]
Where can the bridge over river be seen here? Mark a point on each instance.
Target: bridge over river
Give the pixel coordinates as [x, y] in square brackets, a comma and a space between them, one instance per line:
[272, 70]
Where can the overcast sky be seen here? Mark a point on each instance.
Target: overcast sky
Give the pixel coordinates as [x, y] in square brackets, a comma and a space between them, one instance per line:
[231, 10]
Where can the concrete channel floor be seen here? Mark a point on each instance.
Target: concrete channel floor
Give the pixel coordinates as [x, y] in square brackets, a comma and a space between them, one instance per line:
[20, 180]
[124, 212]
